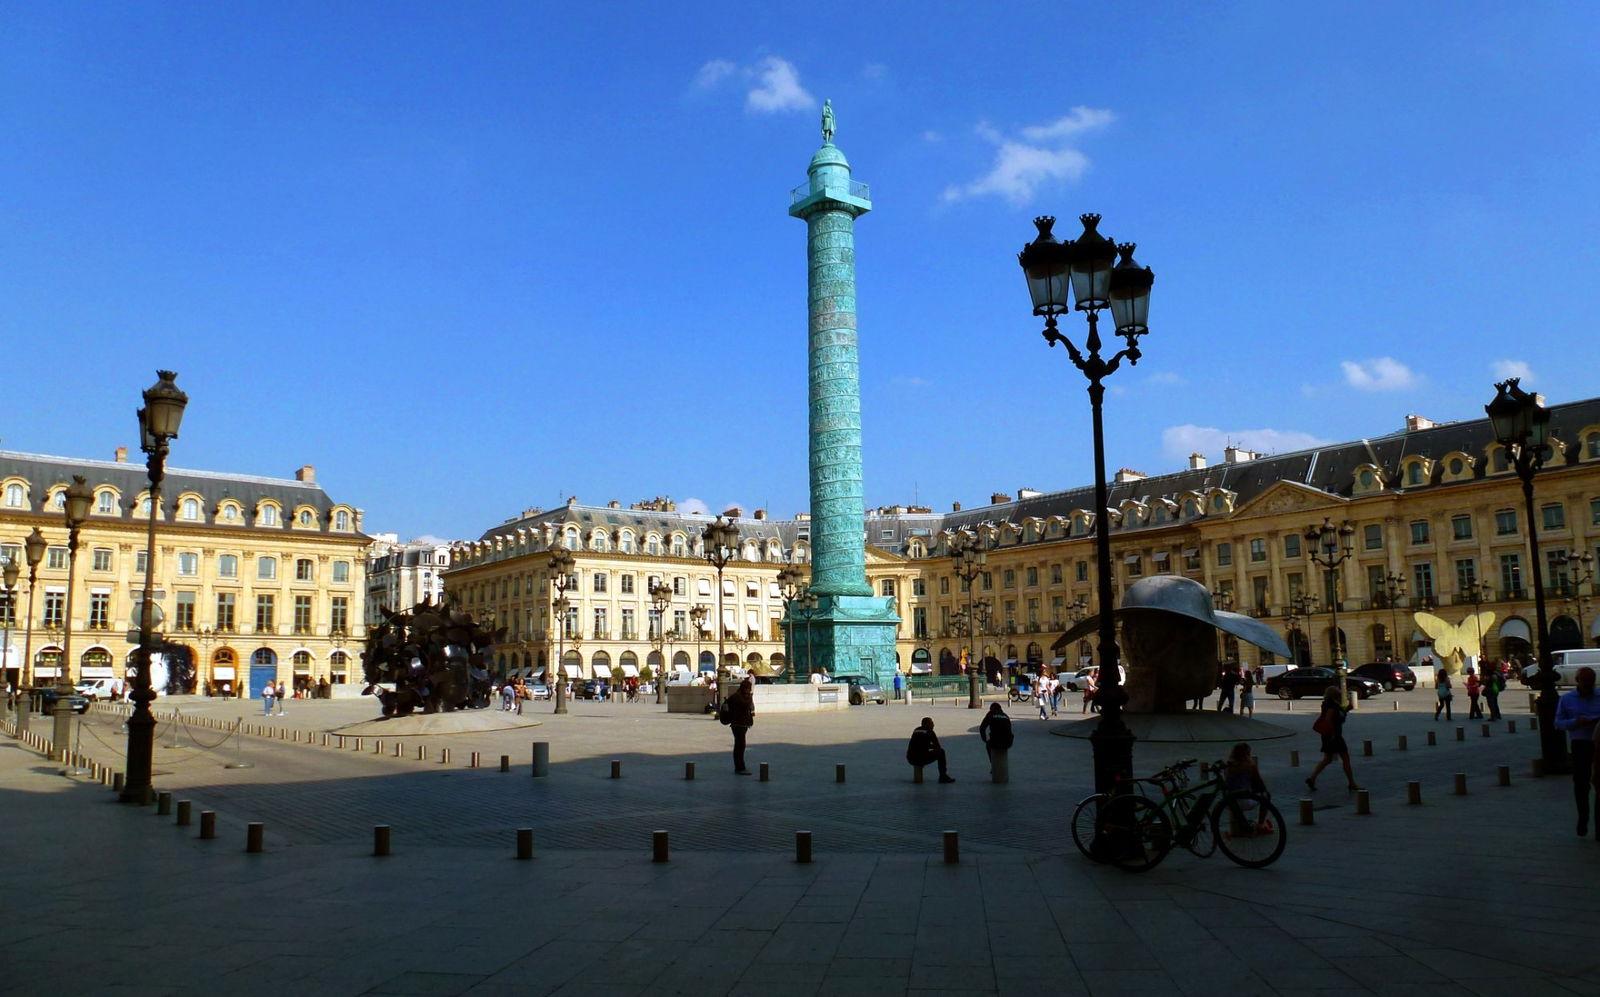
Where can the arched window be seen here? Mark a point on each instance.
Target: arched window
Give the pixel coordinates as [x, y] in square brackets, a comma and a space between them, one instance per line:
[341, 520]
[339, 665]
[306, 517]
[303, 569]
[105, 502]
[680, 545]
[268, 515]
[191, 509]
[570, 539]
[230, 513]
[228, 566]
[15, 496]
[626, 543]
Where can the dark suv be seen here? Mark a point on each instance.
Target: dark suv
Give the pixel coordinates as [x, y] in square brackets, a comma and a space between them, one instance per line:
[1391, 675]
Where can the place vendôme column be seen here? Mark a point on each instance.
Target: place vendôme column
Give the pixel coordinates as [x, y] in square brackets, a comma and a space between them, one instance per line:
[852, 632]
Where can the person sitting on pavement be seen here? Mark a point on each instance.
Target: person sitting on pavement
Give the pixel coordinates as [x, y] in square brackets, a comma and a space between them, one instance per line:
[924, 749]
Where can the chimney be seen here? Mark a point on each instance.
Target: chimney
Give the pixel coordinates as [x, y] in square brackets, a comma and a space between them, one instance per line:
[1127, 474]
[122, 455]
[1237, 455]
[761, 514]
[733, 512]
[614, 504]
[1416, 422]
[1197, 461]
[572, 500]
[1027, 493]
[996, 498]
[955, 506]
[307, 473]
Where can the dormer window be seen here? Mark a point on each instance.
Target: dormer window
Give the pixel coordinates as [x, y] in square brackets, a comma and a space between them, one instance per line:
[190, 509]
[16, 497]
[341, 520]
[305, 517]
[106, 502]
[1414, 473]
[269, 515]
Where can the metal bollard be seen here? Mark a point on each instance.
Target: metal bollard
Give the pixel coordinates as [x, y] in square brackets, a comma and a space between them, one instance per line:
[476, 760]
[1485, 730]
[1433, 737]
[766, 773]
[952, 848]
[1306, 816]
[505, 763]
[1366, 748]
[1396, 704]
[208, 824]
[1400, 743]
[377, 747]
[422, 753]
[325, 737]
[616, 769]
[163, 804]
[658, 846]
[524, 843]
[916, 774]
[1533, 703]
[116, 782]
[1533, 723]
[802, 846]
[397, 748]
[1414, 793]
[1289, 705]
[380, 840]
[1503, 774]
[1537, 768]
[838, 773]
[1363, 802]
[1511, 726]
[444, 756]
[185, 808]
[541, 759]
[358, 744]
[1461, 733]
[253, 834]
[688, 771]
[1294, 759]
[1461, 784]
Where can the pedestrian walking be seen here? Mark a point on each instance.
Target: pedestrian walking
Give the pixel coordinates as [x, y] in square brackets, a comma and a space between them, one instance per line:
[282, 694]
[268, 692]
[1057, 691]
[508, 693]
[739, 712]
[925, 749]
[1443, 690]
[1247, 693]
[1577, 713]
[1494, 682]
[1089, 684]
[1041, 696]
[1225, 689]
[997, 737]
[1474, 690]
[1330, 724]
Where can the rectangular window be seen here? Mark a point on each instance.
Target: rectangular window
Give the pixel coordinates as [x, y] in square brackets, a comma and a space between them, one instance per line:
[1377, 586]
[680, 585]
[1082, 572]
[1224, 558]
[1008, 578]
[1258, 593]
[1554, 516]
[752, 588]
[1291, 545]
[1033, 577]
[225, 621]
[56, 558]
[944, 585]
[919, 622]
[303, 570]
[625, 584]
[341, 571]
[1258, 550]
[1055, 569]
[102, 559]
[55, 603]
[8, 608]
[987, 580]
[599, 581]
[1296, 584]
[1135, 566]
[265, 622]
[888, 586]
[266, 568]
[1511, 575]
[570, 622]
[99, 611]
[1594, 504]
[141, 560]
[1422, 580]
[680, 620]
[1372, 536]
[183, 617]
[1419, 531]
[302, 614]
[339, 615]
[653, 621]
[228, 566]
[1505, 523]
[1466, 574]
[628, 619]
[1556, 577]
[919, 586]
[1461, 527]
[188, 563]
[600, 631]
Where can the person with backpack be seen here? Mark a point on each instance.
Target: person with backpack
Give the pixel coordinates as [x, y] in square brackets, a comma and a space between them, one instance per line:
[739, 712]
[1494, 682]
[997, 737]
[1443, 690]
[1330, 724]
[924, 749]
[1474, 694]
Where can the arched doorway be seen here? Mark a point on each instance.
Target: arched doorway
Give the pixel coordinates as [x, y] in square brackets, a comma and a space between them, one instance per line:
[1035, 656]
[708, 661]
[922, 661]
[224, 671]
[601, 663]
[949, 662]
[1565, 634]
[95, 663]
[46, 664]
[300, 663]
[630, 665]
[680, 661]
[1300, 646]
[1516, 639]
[572, 665]
[263, 669]
[1382, 648]
[339, 668]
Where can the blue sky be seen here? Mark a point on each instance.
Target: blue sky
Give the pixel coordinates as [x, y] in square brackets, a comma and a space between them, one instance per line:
[470, 258]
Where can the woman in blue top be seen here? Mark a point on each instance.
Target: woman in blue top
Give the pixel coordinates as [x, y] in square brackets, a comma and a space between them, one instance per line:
[1577, 713]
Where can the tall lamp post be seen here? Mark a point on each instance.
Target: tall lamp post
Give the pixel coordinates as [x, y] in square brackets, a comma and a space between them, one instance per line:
[808, 605]
[1521, 424]
[9, 574]
[968, 560]
[697, 619]
[34, 548]
[1097, 280]
[1330, 546]
[1076, 611]
[1577, 572]
[660, 599]
[559, 572]
[791, 585]
[1222, 599]
[163, 409]
[722, 546]
[79, 497]
[1394, 589]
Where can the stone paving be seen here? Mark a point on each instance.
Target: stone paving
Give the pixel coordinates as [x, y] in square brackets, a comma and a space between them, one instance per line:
[1487, 893]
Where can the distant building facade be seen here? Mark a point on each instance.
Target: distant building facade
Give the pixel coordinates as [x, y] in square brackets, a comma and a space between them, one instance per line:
[400, 575]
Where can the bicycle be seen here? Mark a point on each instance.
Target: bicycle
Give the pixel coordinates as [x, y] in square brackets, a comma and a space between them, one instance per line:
[1133, 832]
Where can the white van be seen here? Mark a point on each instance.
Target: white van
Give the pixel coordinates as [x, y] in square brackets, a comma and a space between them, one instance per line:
[1566, 664]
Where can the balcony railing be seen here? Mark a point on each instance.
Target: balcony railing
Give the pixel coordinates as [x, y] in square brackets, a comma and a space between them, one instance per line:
[856, 189]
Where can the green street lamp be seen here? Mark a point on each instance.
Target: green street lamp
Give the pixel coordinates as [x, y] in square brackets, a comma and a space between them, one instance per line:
[559, 573]
[10, 573]
[34, 547]
[721, 546]
[1097, 280]
[1330, 546]
[159, 420]
[1521, 425]
[79, 498]
[660, 599]
[969, 558]
[791, 586]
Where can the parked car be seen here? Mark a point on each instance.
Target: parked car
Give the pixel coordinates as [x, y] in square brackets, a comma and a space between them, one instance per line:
[1079, 680]
[862, 691]
[539, 691]
[1391, 675]
[1313, 680]
[1566, 663]
[51, 697]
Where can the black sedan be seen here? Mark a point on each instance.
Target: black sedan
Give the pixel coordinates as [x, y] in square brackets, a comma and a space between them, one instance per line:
[1313, 680]
[50, 697]
[1391, 675]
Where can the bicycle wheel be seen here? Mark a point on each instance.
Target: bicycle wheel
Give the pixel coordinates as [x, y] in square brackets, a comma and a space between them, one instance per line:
[1249, 829]
[1133, 834]
[1084, 820]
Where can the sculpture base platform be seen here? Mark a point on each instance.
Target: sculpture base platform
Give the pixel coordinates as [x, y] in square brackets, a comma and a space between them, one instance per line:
[454, 722]
[1198, 727]
[848, 635]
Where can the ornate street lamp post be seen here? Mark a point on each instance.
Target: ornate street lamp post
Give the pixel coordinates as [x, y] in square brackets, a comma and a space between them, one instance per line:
[1330, 546]
[9, 574]
[660, 599]
[969, 558]
[158, 427]
[1521, 424]
[697, 619]
[1097, 280]
[791, 585]
[76, 508]
[1222, 599]
[1576, 573]
[721, 546]
[1394, 589]
[559, 573]
[808, 605]
[34, 547]
[1076, 611]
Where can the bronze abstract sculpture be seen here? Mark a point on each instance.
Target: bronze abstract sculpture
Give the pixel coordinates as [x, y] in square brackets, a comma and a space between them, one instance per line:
[436, 659]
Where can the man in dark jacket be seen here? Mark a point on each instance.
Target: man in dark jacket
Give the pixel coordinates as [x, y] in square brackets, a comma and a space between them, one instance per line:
[924, 749]
[995, 732]
[742, 713]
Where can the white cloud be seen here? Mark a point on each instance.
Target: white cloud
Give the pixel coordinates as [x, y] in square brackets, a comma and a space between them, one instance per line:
[1167, 378]
[1178, 442]
[932, 136]
[1506, 369]
[1378, 374]
[714, 72]
[694, 506]
[1040, 156]
[429, 538]
[874, 71]
[909, 381]
[778, 88]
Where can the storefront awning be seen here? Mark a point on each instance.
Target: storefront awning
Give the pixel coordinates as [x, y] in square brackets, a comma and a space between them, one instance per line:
[96, 672]
[1191, 551]
[630, 671]
[1057, 660]
[45, 672]
[1161, 555]
[922, 668]
[1514, 627]
[1130, 558]
[222, 672]
[1011, 662]
[572, 671]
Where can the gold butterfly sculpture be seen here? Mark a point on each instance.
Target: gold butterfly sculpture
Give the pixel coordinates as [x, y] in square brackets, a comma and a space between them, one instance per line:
[1454, 642]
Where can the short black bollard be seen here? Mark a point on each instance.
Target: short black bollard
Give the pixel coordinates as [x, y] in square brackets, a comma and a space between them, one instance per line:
[1533, 723]
[802, 846]
[1511, 726]
[541, 759]
[380, 840]
[1503, 773]
[688, 770]
[116, 781]
[1294, 758]
[208, 824]
[766, 773]
[952, 848]
[163, 804]
[476, 760]
[185, 808]
[1461, 733]
[254, 832]
[838, 773]
[1461, 784]
[524, 842]
[658, 846]
[505, 763]
[1366, 746]
[1433, 737]
[1363, 803]
[1306, 814]
[1537, 768]
[916, 774]
[1485, 730]
[616, 769]
[1414, 793]
[1400, 743]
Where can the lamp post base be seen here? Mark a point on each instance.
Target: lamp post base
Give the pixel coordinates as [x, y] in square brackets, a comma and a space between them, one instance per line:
[23, 713]
[974, 697]
[61, 737]
[1552, 742]
[1112, 742]
[141, 755]
[561, 697]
